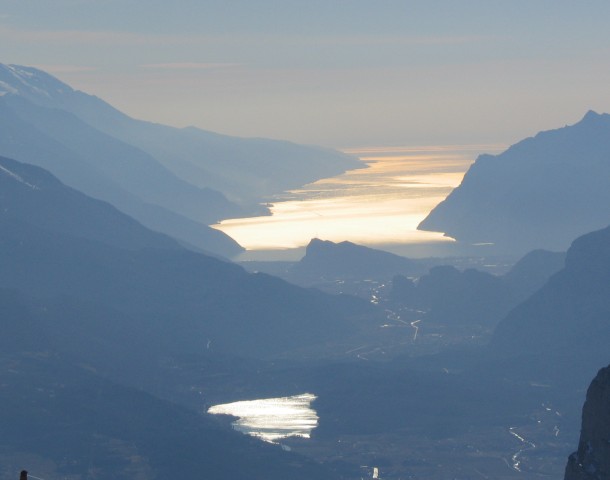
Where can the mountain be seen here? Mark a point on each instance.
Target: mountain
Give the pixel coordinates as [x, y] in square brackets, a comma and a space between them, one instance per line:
[85, 257]
[33, 194]
[454, 297]
[99, 317]
[592, 460]
[128, 167]
[532, 271]
[540, 193]
[247, 171]
[110, 170]
[324, 258]
[566, 321]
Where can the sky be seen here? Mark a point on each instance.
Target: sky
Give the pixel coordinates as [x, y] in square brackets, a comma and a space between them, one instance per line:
[339, 73]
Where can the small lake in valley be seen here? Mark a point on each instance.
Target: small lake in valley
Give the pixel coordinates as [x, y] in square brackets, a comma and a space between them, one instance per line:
[272, 419]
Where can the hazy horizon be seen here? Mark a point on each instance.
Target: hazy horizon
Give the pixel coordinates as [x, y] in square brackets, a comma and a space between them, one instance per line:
[338, 74]
[130, 317]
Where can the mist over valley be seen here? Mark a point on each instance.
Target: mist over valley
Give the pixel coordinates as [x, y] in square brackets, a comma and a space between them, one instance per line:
[177, 302]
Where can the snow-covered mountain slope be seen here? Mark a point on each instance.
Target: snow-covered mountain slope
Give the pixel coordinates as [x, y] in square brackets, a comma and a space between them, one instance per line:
[246, 171]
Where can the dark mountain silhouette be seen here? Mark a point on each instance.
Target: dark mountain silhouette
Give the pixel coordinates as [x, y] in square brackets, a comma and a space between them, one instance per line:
[324, 258]
[128, 167]
[403, 289]
[451, 296]
[85, 161]
[245, 170]
[468, 297]
[58, 244]
[566, 321]
[540, 193]
[33, 194]
[592, 459]
[532, 271]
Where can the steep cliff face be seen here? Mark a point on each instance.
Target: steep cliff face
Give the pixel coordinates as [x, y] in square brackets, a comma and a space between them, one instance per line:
[592, 460]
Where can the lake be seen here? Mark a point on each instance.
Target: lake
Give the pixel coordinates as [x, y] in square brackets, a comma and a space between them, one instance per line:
[374, 206]
[272, 419]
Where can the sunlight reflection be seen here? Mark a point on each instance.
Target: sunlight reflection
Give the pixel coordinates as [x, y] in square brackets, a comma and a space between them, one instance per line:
[380, 204]
[272, 419]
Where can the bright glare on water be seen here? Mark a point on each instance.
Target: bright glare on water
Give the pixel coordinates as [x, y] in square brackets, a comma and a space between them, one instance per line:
[272, 419]
[381, 204]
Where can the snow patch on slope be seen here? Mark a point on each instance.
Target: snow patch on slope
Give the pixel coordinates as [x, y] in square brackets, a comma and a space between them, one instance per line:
[24, 76]
[6, 88]
[18, 178]
[30, 83]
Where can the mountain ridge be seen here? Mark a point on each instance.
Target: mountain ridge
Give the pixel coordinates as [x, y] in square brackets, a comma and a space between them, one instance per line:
[542, 192]
[206, 159]
[113, 262]
[326, 258]
[54, 209]
[23, 141]
[566, 321]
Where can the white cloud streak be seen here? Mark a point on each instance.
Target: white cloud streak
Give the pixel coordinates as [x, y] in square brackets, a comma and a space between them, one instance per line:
[112, 38]
[65, 68]
[188, 66]
[81, 37]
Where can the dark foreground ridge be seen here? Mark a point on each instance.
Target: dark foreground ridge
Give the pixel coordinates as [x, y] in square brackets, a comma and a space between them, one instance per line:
[592, 460]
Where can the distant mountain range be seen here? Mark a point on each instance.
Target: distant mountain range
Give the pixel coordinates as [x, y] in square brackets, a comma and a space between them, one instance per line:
[542, 192]
[172, 180]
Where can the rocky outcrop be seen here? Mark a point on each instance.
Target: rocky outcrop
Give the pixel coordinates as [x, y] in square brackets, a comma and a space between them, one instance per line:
[324, 258]
[592, 460]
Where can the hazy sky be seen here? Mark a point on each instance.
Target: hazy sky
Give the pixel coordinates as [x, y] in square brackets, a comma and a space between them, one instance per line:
[334, 72]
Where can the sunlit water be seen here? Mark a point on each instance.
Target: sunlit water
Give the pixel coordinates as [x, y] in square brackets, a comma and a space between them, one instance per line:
[381, 204]
[272, 419]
